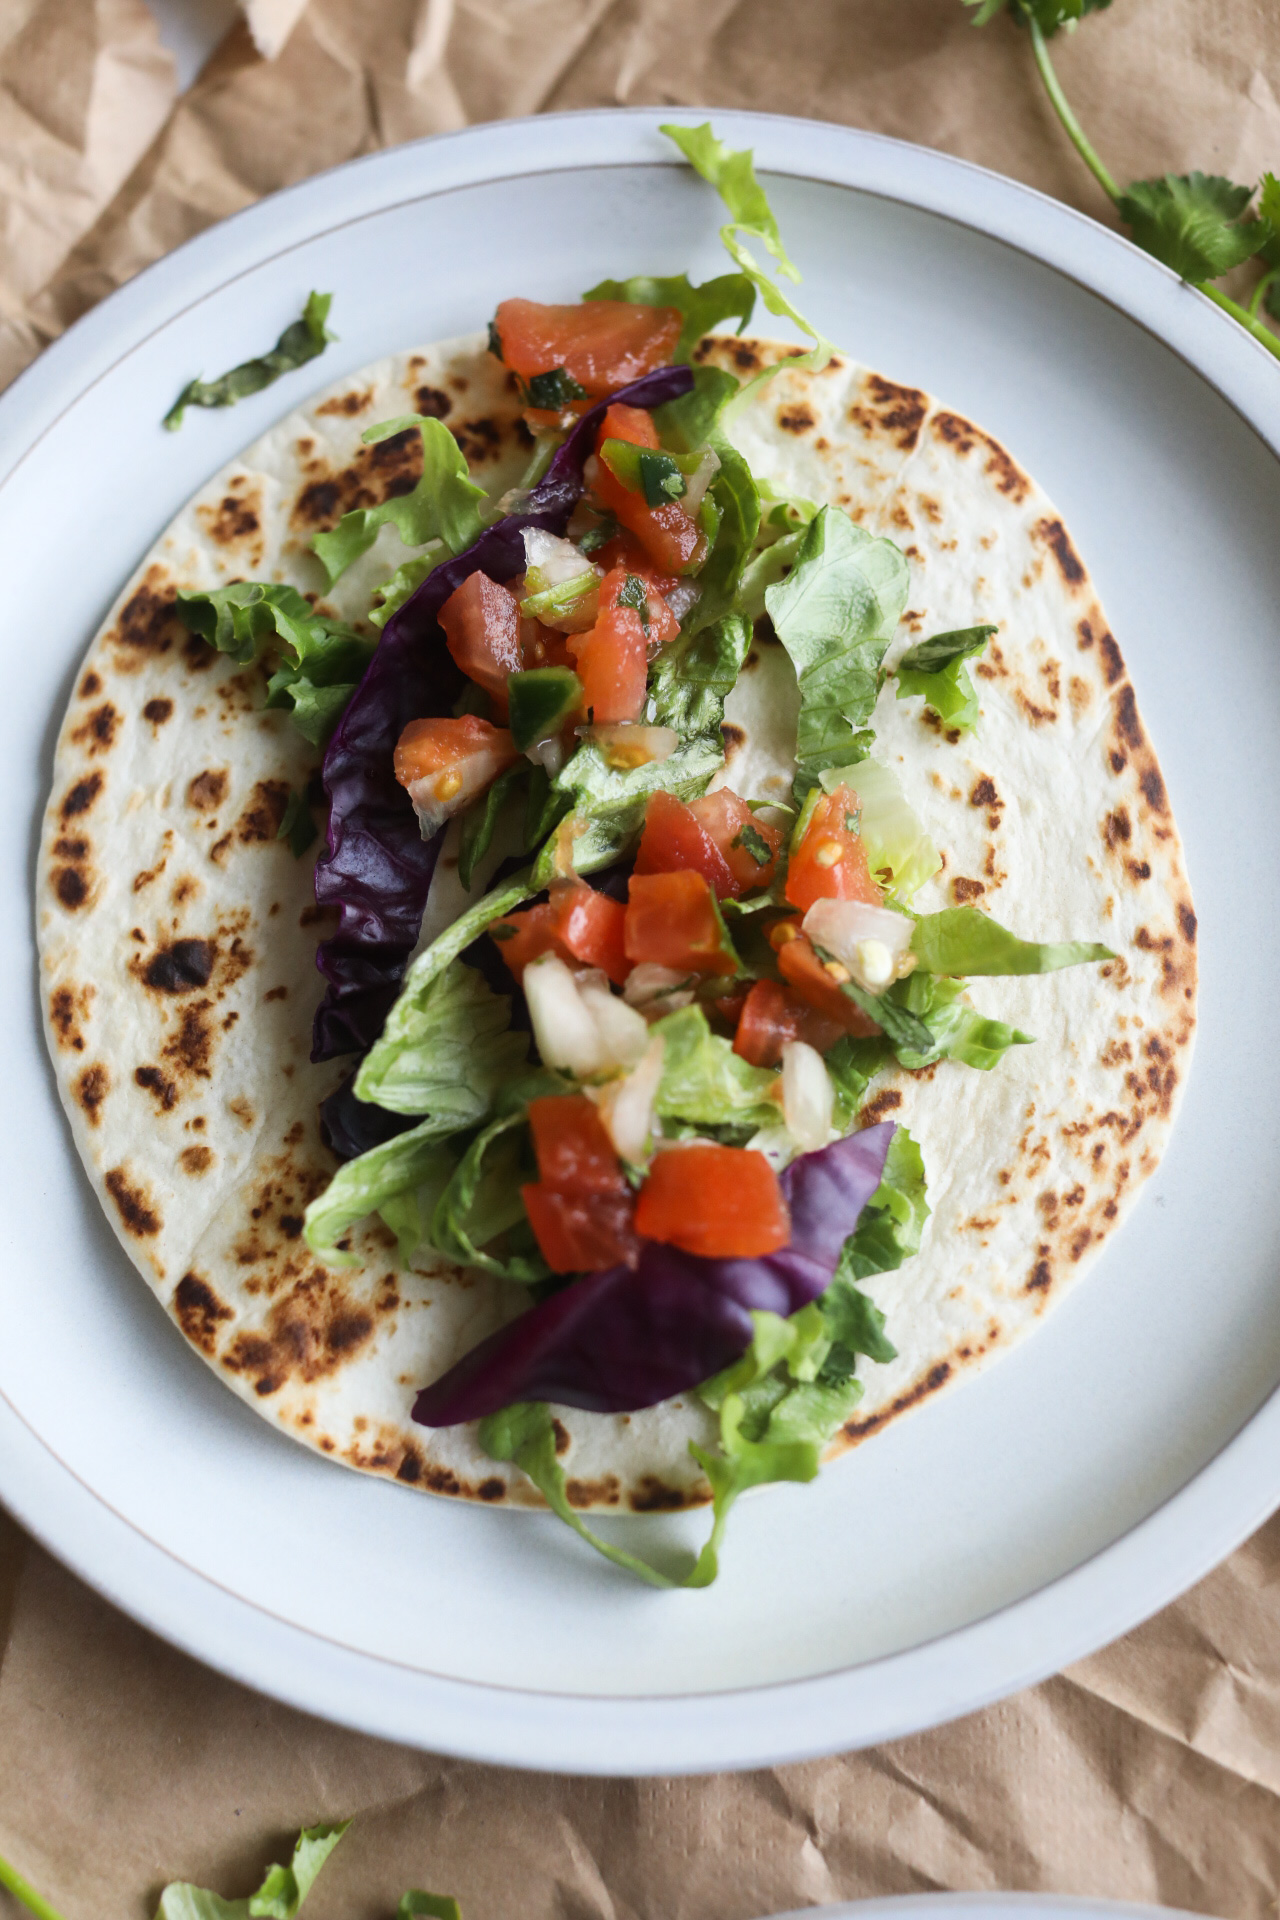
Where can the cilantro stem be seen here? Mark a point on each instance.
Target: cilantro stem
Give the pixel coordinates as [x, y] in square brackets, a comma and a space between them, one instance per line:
[1259, 292]
[1257, 328]
[1062, 107]
[25, 1894]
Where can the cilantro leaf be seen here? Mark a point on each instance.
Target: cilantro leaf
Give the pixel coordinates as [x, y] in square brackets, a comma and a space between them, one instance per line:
[301, 341]
[1192, 222]
[553, 391]
[1048, 15]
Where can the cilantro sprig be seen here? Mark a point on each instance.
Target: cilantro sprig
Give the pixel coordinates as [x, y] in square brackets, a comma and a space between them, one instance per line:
[1199, 224]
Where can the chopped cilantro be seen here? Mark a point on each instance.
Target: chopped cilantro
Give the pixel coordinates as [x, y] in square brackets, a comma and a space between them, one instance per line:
[633, 593]
[752, 841]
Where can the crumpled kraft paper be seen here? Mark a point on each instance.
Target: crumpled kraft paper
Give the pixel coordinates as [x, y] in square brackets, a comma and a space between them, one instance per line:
[1152, 1770]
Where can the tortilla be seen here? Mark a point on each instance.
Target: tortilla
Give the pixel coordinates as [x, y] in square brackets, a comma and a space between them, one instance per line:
[177, 934]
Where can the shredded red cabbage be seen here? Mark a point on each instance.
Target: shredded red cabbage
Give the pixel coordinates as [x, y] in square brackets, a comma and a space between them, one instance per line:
[628, 1337]
[377, 867]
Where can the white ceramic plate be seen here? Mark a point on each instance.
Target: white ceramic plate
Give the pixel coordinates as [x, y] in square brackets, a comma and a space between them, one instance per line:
[1023, 1519]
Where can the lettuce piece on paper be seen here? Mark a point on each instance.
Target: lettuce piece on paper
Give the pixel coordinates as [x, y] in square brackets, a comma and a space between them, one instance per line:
[278, 1898]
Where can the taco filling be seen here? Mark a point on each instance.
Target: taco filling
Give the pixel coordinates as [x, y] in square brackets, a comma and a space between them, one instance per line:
[646, 911]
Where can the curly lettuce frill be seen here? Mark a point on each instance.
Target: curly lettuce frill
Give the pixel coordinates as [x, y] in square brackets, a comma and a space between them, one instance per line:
[628, 1337]
[377, 868]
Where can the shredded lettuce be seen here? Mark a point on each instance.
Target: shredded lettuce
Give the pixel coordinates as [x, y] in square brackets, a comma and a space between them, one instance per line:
[406, 579]
[482, 1200]
[320, 660]
[964, 940]
[732, 174]
[891, 1224]
[691, 420]
[444, 505]
[705, 1083]
[387, 1177]
[899, 851]
[446, 1050]
[693, 676]
[608, 804]
[732, 296]
[955, 1030]
[302, 340]
[278, 1898]
[835, 614]
[480, 822]
[935, 668]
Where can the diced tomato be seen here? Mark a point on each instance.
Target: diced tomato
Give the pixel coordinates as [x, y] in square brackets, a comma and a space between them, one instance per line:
[602, 344]
[721, 1202]
[624, 550]
[481, 622]
[542, 646]
[729, 1006]
[672, 921]
[831, 862]
[581, 1208]
[576, 923]
[633, 424]
[575, 1153]
[772, 1016]
[577, 1234]
[726, 819]
[674, 839]
[801, 968]
[613, 658]
[667, 534]
[445, 763]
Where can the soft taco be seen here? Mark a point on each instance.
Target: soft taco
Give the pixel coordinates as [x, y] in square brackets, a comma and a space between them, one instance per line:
[757, 969]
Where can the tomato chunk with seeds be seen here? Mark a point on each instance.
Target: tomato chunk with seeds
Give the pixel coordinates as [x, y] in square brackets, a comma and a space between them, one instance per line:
[443, 764]
[801, 968]
[481, 622]
[581, 1235]
[671, 920]
[581, 1208]
[613, 658]
[772, 1016]
[577, 924]
[575, 1153]
[602, 344]
[720, 1202]
[675, 839]
[747, 845]
[830, 862]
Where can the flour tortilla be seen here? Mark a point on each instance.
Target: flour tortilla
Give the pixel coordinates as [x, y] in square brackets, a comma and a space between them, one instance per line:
[177, 935]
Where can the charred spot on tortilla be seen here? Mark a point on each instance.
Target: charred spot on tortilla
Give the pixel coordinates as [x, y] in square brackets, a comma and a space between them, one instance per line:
[68, 1006]
[97, 734]
[348, 405]
[199, 1311]
[195, 1160]
[71, 887]
[1054, 535]
[182, 966]
[158, 711]
[260, 821]
[91, 1089]
[90, 686]
[796, 418]
[432, 404]
[81, 796]
[734, 738]
[147, 623]
[383, 471]
[159, 1086]
[134, 1204]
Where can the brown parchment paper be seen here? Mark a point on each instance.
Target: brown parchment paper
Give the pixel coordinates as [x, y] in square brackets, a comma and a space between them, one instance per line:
[1150, 1772]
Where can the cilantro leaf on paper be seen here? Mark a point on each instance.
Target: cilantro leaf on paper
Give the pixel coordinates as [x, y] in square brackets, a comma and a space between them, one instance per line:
[301, 341]
[1048, 15]
[278, 1898]
[431, 1906]
[1192, 222]
[935, 668]
[444, 505]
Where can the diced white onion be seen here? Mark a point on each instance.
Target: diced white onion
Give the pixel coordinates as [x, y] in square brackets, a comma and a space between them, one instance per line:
[873, 942]
[699, 480]
[548, 754]
[683, 598]
[808, 1099]
[553, 560]
[626, 1105]
[563, 1024]
[658, 989]
[623, 1032]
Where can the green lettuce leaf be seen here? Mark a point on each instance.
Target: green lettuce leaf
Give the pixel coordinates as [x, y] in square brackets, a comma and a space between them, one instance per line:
[278, 1898]
[1192, 222]
[608, 804]
[320, 660]
[890, 1225]
[852, 1064]
[691, 420]
[936, 670]
[694, 675]
[411, 1015]
[387, 1177]
[737, 502]
[835, 614]
[482, 1200]
[732, 174]
[965, 941]
[445, 505]
[1048, 14]
[899, 851]
[446, 1050]
[704, 1082]
[955, 1030]
[301, 341]
[732, 296]
[297, 826]
[481, 819]
[434, 1906]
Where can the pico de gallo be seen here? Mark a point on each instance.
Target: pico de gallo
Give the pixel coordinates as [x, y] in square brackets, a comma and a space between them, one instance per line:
[631, 1077]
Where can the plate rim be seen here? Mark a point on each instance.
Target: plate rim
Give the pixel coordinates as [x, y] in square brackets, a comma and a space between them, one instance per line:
[925, 1685]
